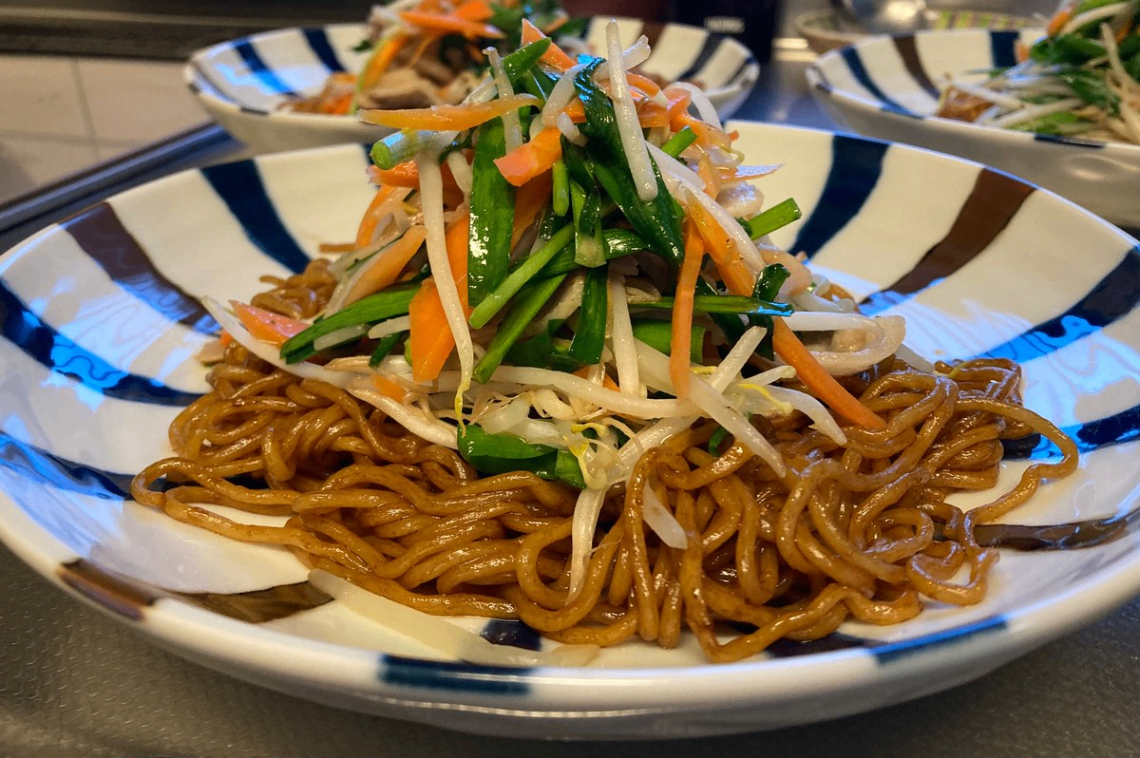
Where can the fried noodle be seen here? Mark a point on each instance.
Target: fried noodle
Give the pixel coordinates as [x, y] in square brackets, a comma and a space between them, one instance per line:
[862, 530]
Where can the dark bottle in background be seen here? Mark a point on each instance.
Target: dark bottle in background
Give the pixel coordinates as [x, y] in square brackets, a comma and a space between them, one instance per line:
[753, 22]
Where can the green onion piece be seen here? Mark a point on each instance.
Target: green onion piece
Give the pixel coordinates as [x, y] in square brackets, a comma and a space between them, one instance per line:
[515, 280]
[525, 308]
[615, 244]
[369, 310]
[656, 221]
[567, 469]
[679, 141]
[492, 215]
[539, 83]
[659, 336]
[587, 207]
[776, 217]
[384, 347]
[768, 284]
[524, 59]
[399, 147]
[717, 437]
[590, 336]
[494, 454]
[561, 192]
[746, 306]
[767, 287]
[543, 351]
[577, 163]
[1091, 87]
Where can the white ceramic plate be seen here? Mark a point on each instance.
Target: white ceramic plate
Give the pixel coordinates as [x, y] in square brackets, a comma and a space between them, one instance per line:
[887, 87]
[824, 29]
[242, 83]
[101, 322]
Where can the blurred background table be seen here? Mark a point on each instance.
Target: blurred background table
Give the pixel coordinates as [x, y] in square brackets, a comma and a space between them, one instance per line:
[76, 683]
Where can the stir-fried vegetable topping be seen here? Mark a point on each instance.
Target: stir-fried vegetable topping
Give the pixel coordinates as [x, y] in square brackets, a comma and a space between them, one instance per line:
[569, 266]
[1081, 79]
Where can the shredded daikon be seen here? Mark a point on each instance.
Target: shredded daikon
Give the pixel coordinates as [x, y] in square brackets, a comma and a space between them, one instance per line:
[629, 127]
[624, 347]
[431, 189]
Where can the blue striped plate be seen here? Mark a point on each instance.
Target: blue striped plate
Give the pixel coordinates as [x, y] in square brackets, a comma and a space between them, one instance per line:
[101, 320]
[887, 87]
[242, 83]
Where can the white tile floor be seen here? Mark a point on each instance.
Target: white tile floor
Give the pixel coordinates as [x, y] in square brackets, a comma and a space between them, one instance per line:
[62, 115]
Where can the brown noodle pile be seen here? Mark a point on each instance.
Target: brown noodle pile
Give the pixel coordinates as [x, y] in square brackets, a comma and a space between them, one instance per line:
[860, 531]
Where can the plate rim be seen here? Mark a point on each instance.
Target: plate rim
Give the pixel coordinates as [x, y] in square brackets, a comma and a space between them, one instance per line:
[1097, 594]
[873, 108]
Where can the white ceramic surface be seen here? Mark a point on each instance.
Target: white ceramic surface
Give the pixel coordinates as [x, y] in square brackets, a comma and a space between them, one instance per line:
[100, 322]
[887, 87]
[242, 83]
[824, 30]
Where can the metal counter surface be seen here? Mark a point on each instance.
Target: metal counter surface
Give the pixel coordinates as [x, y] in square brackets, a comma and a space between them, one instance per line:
[73, 682]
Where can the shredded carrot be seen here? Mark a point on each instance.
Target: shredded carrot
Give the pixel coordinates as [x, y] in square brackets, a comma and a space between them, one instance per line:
[1021, 51]
[403, 175]
[380, 62]
[446, 117]
[643, 83]
[475, 10]
[371, 218]
[707, 172]
[335, 248]
[267, 326]
[733, 270]
[1060, 18]
[387, 268]
[679, 118]
[822, 384]
[457, 238]
[532, 158]
[406, 174]
[652, 114]
[555, 57]
[225, 338]
[529, 201]
[607, 382]
[678, 100]
[680, 343]
[576, 111]
[430, 334]
[451, 23]
[389, 388]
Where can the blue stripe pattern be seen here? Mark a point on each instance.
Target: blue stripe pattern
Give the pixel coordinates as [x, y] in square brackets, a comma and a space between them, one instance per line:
[319, 42]
[257, 67]
[895, 651]
[859, 71]
[710, 46]
[59, 354]
[856, 165]
[739, 72]
[456, 677]
[1003, 48]
[101, 234]
[1074, 141]
[42, 467]
[1104, 432]
[1113, 297]
[240, 186]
